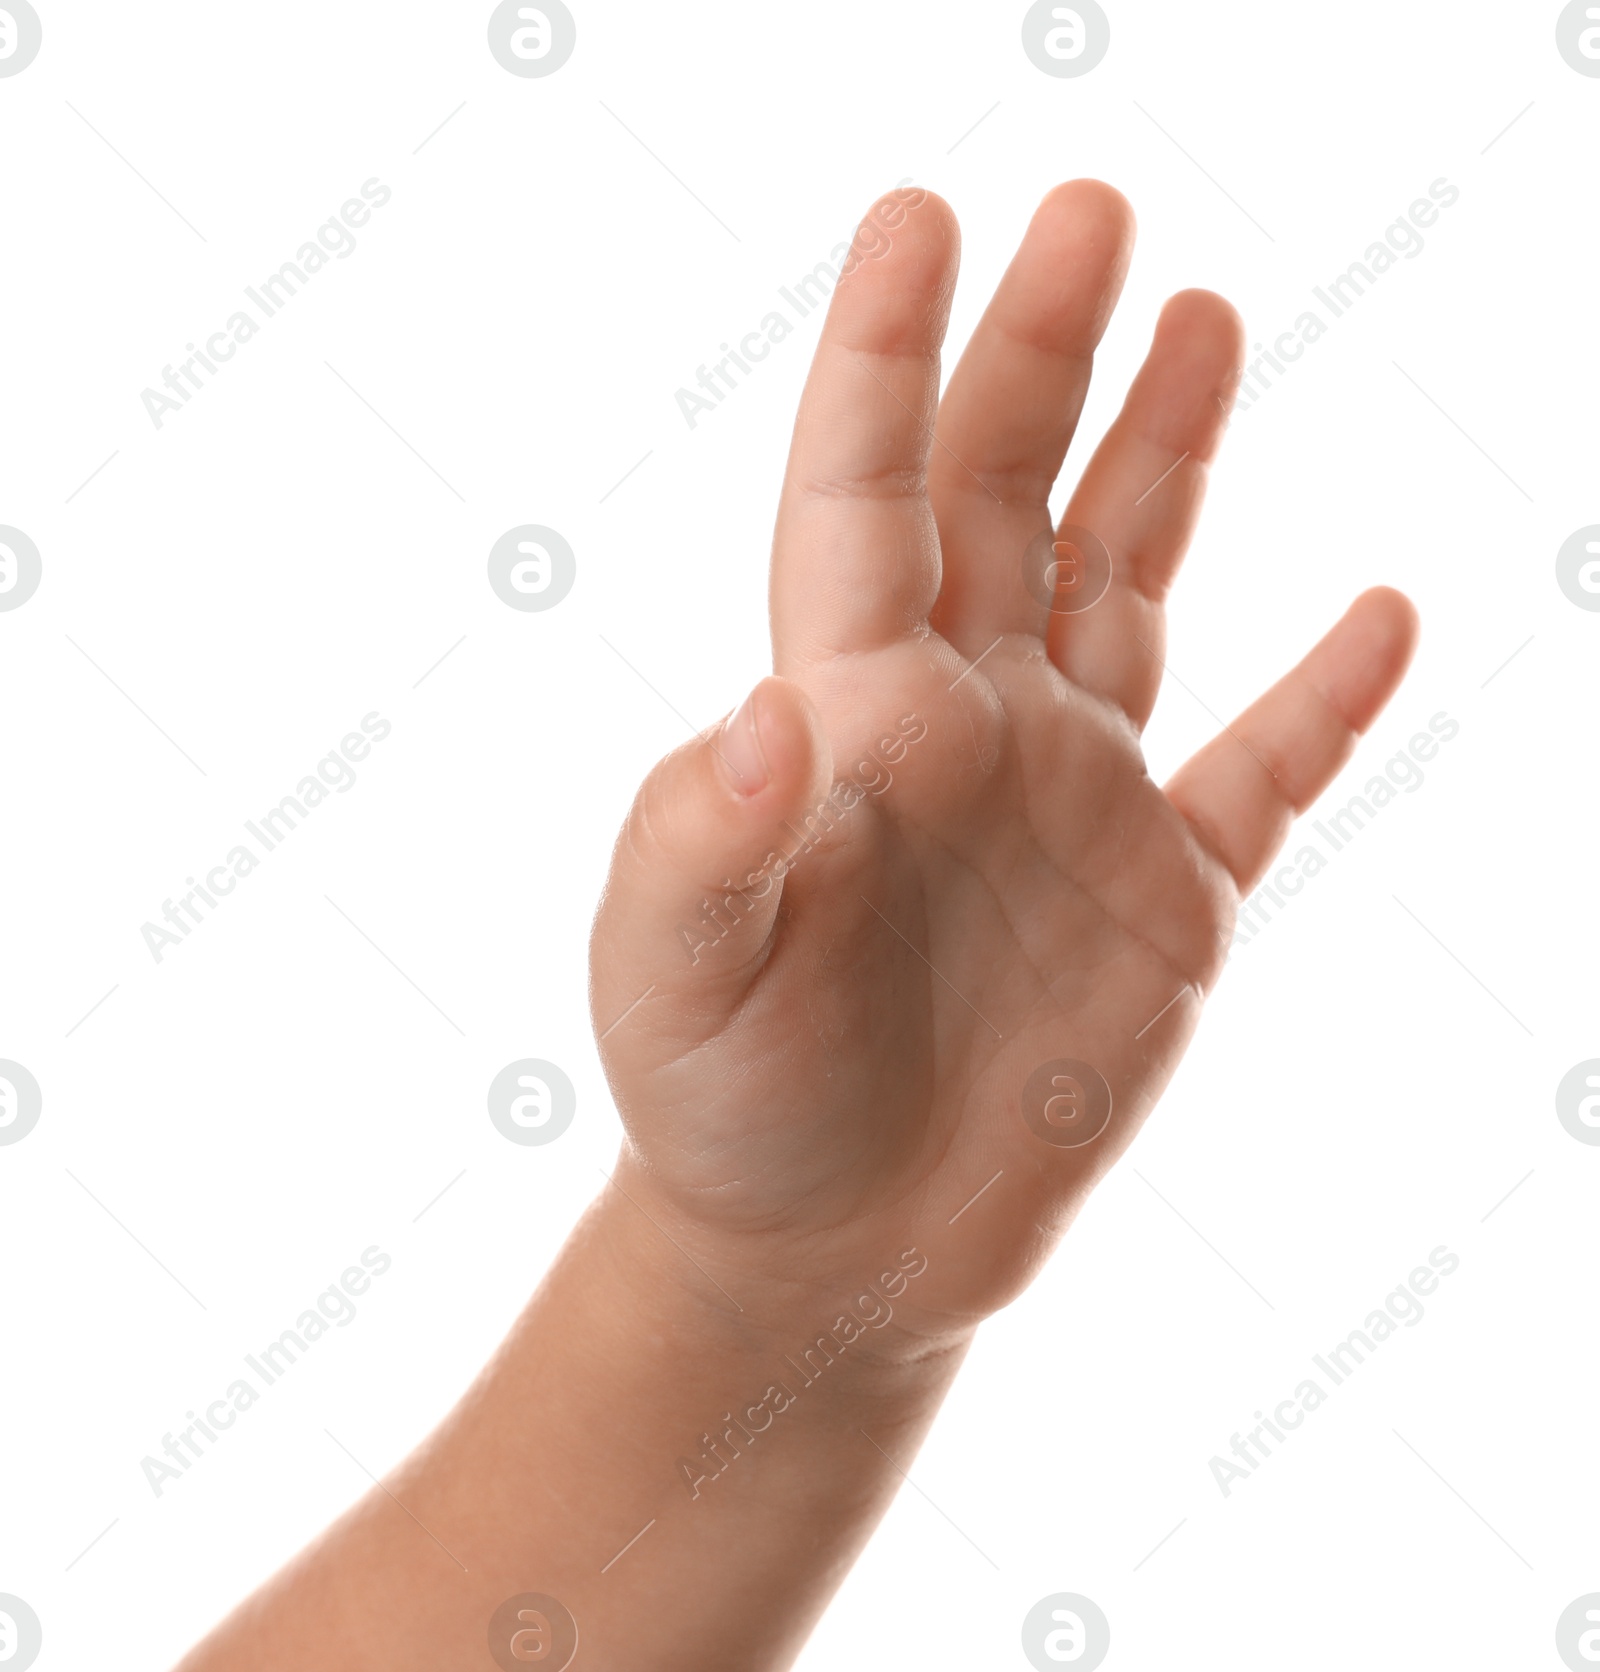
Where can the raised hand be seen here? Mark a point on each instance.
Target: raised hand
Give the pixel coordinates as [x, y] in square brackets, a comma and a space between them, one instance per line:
[849, 931]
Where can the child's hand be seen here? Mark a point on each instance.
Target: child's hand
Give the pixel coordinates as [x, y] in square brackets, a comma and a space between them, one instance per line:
[823, 1068]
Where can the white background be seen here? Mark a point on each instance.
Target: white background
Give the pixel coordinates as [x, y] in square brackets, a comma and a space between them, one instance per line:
[274, 563]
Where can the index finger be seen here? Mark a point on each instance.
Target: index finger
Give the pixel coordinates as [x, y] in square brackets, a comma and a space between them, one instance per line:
[855, 560]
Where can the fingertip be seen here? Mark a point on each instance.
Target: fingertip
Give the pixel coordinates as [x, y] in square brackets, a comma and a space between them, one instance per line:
[1090, 207]
[773, 747]
[917, 220]
[1204, 315]
[1391, 611]
[1366, 656]
[1205, 324]
[1067, 275]
[1386, 621]
[742, 749]
[1186, 386]
[902, 261]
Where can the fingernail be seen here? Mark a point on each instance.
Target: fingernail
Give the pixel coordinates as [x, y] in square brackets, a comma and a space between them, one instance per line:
[740, 749]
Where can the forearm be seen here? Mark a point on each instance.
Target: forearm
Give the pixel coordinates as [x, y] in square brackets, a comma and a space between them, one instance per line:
[686, 1470]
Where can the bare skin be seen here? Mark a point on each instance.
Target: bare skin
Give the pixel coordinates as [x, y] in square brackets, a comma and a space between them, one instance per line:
[822, 1049]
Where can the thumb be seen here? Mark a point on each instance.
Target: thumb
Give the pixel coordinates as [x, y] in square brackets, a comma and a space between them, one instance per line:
[697, 873]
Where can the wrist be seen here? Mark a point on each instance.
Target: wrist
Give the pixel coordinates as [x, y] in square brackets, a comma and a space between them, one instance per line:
[764, 1300]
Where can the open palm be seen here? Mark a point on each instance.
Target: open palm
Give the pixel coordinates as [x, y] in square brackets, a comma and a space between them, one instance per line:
[904, 952]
